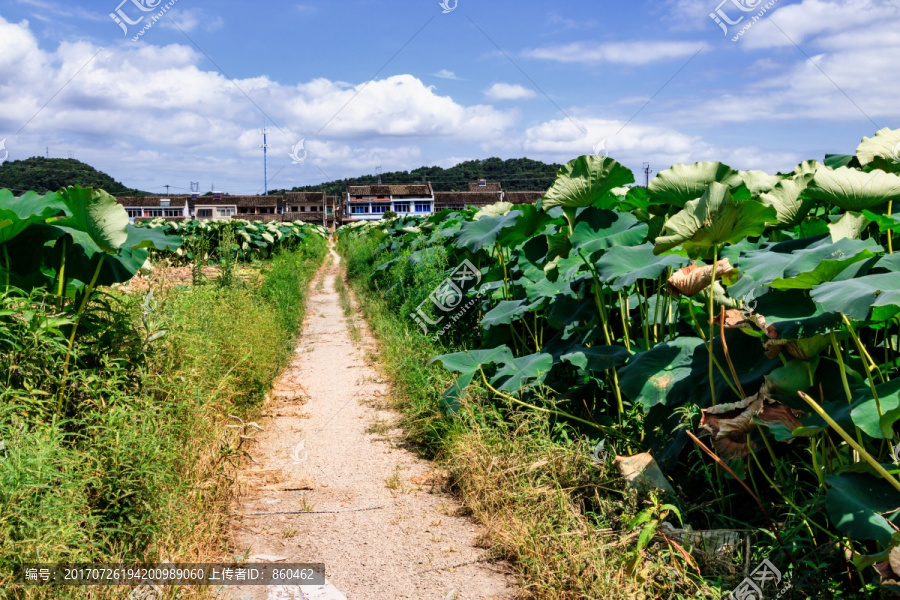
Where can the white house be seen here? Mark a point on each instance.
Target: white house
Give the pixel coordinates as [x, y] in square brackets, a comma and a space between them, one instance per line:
[370, 202]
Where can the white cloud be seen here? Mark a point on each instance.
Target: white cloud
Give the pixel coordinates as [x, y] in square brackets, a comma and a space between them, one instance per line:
[508, 91]
[193, 19]
[160, 102]
[628, 53]
[445, 74]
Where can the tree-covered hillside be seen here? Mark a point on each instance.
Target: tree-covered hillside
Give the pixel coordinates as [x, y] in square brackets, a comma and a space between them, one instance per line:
[516, 174]
[51, 174]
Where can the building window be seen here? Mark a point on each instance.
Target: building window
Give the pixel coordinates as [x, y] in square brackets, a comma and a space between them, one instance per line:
[165, 202]
[401, 207]
[204, 213]
[422, 207]
[173, 212]
[134, 213]
[380, 209]
[224, 212]
[358, 210]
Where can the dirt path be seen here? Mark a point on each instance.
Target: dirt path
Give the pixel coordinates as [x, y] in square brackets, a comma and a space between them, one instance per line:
[369, 510]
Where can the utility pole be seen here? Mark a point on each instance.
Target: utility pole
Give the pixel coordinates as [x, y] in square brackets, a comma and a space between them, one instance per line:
[378, 172]
[646, 174]
[48, 151]
[265, 146]
[167, 189]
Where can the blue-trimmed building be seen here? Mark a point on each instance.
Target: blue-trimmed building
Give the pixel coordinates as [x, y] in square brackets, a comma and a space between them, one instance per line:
[370, 202]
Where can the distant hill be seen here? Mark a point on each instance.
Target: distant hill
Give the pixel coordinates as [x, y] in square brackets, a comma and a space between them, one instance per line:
[51, 174]
[515, 174]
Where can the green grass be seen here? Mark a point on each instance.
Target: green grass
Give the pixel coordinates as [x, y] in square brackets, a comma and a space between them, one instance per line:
[138, 469]
[558, 518]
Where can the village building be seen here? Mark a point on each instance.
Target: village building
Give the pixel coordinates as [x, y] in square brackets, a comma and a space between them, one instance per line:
[370, 202]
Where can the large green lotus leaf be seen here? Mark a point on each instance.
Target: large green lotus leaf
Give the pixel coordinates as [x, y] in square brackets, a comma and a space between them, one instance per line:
[808, 268]
[881, 151]
[850, 226]
[681, 183]
[717, 218]
[17, 214]
[518, 373]
[855, 297]
[597, 358]
[885, 222]
[797, 264]
[471, 361]
[793, 377]
[625, 265]
[866, 417]
[584, 181]
[543, 288]
[498, 209]
[598, 229]
[97, 214]
[854, 190]
[476, 235]
[855, 502]
[668, 373]
[792, 315]
[787, 198]
[508, 311]
[836, 161]
[759, 182]
[452, 398]
[140, 237]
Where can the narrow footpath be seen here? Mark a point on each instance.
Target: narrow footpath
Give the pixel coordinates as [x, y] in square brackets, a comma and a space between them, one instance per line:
[329, 484]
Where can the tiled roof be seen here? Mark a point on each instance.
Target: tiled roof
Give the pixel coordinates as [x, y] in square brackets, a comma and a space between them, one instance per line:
[420, 190]
[490, 186]
[466, 198]
[522, 197]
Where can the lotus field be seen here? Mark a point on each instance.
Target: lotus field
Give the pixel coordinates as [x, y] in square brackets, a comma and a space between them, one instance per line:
[740, 327]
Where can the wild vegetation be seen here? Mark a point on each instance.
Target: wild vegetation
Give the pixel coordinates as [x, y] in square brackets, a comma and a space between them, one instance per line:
[516, 174]
[44, 175]
[741, 327]
[114, 405]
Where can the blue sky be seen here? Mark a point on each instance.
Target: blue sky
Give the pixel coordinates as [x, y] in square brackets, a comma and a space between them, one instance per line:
[655, 82]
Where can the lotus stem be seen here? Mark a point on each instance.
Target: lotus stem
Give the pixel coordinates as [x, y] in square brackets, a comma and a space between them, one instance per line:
[62, 275]
[815, 461]
[8, 266]
[851, 442]
[862, 355]
[712, 285]
[762, 508]
[546, 410]
[703, 337]
[84, 302]
[737, 381]
[890, 234]
[624, 312]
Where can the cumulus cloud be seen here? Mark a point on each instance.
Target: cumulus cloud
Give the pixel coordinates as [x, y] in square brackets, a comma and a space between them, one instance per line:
[508, 91]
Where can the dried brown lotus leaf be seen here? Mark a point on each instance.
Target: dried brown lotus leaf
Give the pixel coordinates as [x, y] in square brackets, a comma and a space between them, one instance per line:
[692, 279]
[730, 424]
